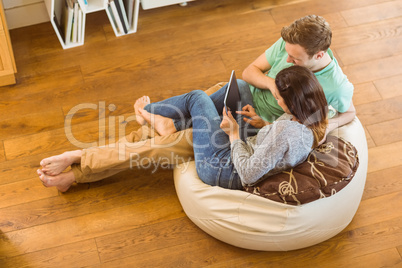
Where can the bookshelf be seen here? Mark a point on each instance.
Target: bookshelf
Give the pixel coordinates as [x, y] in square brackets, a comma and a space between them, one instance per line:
[68, 17]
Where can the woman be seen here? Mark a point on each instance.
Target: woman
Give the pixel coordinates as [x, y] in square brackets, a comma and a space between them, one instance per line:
[222, 158]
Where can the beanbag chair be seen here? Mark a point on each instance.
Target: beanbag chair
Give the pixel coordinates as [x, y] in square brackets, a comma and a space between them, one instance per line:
[247, 220]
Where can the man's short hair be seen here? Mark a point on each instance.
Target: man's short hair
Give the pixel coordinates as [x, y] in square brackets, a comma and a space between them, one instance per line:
[311, 32]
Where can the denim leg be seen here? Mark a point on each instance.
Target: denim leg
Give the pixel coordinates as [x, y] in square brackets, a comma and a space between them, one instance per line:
[181, 123]
[210, 142]
[171, 108]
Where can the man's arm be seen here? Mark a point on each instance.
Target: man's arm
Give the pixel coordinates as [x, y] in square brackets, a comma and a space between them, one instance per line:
[341, 118]
[254, 74]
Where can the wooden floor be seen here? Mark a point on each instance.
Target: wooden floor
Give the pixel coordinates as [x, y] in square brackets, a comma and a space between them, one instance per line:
[134, 219]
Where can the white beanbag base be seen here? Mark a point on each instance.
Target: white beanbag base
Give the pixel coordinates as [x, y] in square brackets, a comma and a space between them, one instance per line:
[253, 222]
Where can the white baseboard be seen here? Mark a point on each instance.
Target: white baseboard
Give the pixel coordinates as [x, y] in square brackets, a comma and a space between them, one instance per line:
[26, 15]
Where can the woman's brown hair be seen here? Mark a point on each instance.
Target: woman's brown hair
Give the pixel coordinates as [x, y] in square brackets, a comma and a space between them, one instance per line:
[305, 99]
[311, 32]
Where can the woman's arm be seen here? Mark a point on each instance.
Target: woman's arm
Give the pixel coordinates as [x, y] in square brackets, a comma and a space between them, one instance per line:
[230, 126]
[278, 147]
[254, 162]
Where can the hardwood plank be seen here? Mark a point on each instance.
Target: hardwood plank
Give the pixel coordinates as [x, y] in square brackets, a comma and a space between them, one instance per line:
[31, 123]
[40, 39]
[335, 252]
[376, 210]
[335, 20]
[122, 189]
[196, 13]
[366, 33]
[92, 225]
[368, 51]
[22, 169]
[43, 83]
[386, 132]
[24, 192]
[239, 60]
[383, 182]
[375, 112]
[369, 139]
[382, 11]
[144, 240]
[385, 258]
[83, 136]
[210, 62]
[365, 93]
[79, 134]
[208, 251]
[288, 13]
[389, 87]
[41, 94]
[385, 156]
[80, 254]
[377, 69]
[2, 153]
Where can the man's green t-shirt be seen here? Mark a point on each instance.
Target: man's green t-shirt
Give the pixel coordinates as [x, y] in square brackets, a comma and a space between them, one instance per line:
[337, 88]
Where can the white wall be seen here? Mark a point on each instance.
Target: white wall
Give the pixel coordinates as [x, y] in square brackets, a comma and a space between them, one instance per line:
[20, 13]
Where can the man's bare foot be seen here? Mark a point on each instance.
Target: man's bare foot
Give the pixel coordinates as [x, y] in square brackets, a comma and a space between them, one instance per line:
[62, 182]
[140, 104]
[163, 125]
[55, 165]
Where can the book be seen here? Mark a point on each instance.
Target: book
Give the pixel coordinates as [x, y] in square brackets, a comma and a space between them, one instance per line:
[74, 38]
[80, 26]
[117, 20]
[135, 15]
[129, 6]
[122, 15]
[67, 23]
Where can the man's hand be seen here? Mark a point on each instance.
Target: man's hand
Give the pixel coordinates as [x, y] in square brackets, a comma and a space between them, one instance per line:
[253, 118]
[230, 126]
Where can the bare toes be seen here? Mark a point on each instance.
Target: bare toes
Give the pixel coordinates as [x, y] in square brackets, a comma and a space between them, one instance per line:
[139, 104]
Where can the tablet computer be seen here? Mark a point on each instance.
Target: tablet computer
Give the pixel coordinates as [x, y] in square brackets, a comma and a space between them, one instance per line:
[232, 96]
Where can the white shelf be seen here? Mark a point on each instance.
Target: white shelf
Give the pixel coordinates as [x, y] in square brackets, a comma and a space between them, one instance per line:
[132, 27]
[148, 4]
[93, 5]
[54, 8]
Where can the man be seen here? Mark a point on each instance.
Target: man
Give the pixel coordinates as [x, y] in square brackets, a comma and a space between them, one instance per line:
[306, 43]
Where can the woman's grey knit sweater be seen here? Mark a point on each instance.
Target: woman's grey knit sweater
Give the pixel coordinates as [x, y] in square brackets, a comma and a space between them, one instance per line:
[276, 147]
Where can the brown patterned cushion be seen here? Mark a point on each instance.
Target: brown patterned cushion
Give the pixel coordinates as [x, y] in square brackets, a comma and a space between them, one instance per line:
[327, 170]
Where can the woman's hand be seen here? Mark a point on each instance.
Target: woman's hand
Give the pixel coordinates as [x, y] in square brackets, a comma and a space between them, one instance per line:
[230, 126]
[253, 119]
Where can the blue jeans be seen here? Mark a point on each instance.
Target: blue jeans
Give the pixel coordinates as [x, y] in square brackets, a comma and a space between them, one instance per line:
[211, 144]
[246, 130]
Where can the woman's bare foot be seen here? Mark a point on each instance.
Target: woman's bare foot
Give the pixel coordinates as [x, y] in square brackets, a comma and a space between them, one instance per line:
[55, 165]
[163, 125]
[62, 182]
[140, 104]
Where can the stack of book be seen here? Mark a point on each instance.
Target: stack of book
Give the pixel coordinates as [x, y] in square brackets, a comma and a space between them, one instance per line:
[122, 13]
[68, 17]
